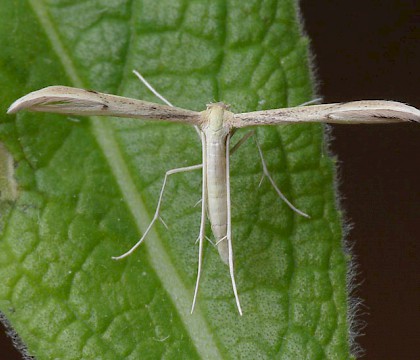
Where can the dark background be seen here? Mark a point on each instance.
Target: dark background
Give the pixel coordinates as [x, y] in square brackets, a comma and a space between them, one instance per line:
[371, 50]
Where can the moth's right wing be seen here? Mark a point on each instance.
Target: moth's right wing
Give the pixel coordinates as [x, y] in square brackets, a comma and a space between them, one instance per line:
[74, 101]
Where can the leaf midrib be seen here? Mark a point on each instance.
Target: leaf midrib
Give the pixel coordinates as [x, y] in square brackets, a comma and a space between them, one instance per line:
[196, 324]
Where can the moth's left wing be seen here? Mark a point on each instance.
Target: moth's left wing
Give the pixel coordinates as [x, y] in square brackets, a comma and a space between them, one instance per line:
[356, 112]
[74, 101]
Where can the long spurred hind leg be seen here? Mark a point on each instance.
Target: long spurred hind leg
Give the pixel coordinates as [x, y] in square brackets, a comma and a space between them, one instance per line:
[202, 233]
[229, 229]
[156, 216]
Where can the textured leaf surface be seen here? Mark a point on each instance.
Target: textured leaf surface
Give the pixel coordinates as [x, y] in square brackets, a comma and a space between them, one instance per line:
[76, 191]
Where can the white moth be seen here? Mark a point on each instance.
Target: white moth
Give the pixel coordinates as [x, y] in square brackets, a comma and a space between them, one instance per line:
[216, 126]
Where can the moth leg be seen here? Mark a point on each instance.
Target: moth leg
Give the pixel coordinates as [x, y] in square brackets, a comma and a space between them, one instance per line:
[241, 141]
[209, 240]
[279, 193]
[156, 216]
[229, 225]
[220, 240]
[265, 169]
[202, 233]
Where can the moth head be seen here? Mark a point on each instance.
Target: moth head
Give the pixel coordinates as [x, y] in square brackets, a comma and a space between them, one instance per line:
[219, 104]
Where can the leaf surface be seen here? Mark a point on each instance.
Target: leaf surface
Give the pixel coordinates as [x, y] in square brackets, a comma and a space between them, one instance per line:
[76, 191]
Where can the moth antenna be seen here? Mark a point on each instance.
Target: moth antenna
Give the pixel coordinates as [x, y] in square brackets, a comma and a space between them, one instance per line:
[159, 96]
[151, 88]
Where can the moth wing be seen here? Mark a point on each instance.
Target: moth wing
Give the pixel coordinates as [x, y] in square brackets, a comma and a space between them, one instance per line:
[74, 101]
[355, 112]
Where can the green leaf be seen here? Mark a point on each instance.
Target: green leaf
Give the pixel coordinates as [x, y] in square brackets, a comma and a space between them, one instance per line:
[76, 191]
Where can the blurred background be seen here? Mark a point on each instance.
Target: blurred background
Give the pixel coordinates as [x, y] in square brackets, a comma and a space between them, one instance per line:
[371, 50]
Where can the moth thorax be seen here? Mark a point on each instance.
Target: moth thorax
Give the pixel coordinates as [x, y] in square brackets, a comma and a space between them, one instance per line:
[216, 115]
